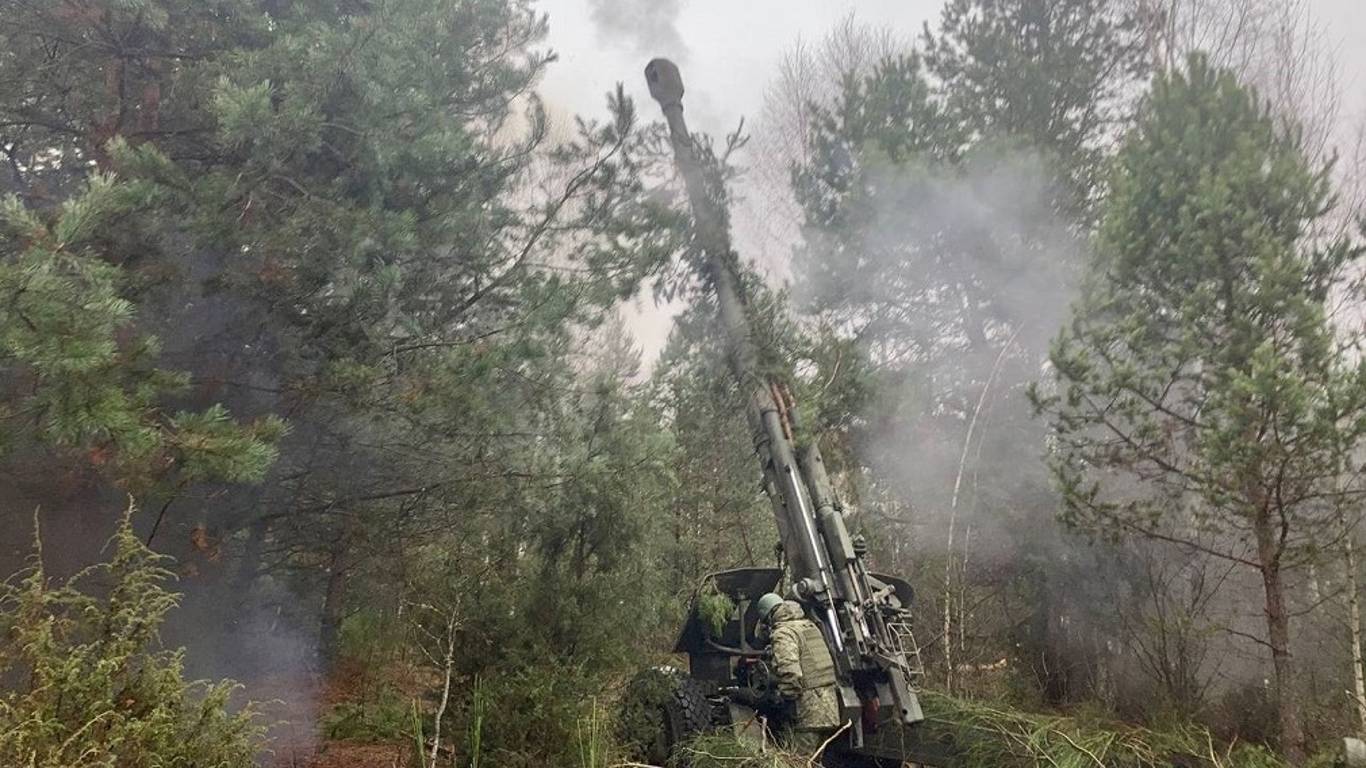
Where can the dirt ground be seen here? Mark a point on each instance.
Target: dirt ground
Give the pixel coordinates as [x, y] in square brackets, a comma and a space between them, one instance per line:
[343, 754]
[294, 706]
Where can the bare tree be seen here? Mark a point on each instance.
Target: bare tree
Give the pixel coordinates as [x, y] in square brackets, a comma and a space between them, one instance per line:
[1170, 621]
[1280, 47]
[810, 74]
[436, 625]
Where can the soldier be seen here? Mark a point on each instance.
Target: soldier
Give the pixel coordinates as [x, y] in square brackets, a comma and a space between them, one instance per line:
[803, 671]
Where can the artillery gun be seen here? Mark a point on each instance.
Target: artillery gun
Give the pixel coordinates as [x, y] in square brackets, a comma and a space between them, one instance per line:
[863, 616]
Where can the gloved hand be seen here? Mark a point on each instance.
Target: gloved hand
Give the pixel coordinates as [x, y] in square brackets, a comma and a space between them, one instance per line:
[756, 697]
[750, 697]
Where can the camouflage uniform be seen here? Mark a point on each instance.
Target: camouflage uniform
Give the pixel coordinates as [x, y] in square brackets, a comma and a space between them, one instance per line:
[805, 674]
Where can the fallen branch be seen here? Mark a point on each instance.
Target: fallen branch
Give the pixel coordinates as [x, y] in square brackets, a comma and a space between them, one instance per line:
[811, 761]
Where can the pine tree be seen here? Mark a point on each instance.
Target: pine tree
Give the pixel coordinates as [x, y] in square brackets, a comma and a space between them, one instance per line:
[1049, 74]
[77, 379]
[347, 212]
[1202, 396]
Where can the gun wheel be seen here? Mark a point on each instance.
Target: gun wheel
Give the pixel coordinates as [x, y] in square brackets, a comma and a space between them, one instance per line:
[662, 709]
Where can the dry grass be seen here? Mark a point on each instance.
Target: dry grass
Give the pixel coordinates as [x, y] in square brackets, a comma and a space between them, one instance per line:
[723, 751]
[1000, 737]
[995, 737]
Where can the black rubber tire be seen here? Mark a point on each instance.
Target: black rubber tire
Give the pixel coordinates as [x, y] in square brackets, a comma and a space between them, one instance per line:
[662, 709]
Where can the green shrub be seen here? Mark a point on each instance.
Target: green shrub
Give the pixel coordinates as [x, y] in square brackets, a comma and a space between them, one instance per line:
[534, 717]
[592, 737]
[370, 638]
[479, 705]
[94, 692]
[385, 717]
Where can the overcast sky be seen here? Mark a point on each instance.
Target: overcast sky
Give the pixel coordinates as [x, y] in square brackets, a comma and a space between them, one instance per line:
[729, 50]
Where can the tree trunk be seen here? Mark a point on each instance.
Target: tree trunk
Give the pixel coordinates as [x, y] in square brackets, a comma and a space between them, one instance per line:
[1354, 624]
[448, 670]
[1278, 636]
[332, 615]
[953, 505]
[946, 638]
[249, 566]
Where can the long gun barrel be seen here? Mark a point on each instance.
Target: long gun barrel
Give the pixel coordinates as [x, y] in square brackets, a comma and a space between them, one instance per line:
[827, 568]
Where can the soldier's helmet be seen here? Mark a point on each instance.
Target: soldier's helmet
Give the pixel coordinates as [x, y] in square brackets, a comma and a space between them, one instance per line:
[766, 605]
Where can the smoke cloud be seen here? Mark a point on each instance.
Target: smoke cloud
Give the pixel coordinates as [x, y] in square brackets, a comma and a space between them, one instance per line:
[959, 279]
[649, 27]
[955, 279]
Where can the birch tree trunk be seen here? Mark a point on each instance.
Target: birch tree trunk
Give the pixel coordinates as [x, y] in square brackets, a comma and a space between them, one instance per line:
[1354, 624]
[449, 669]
